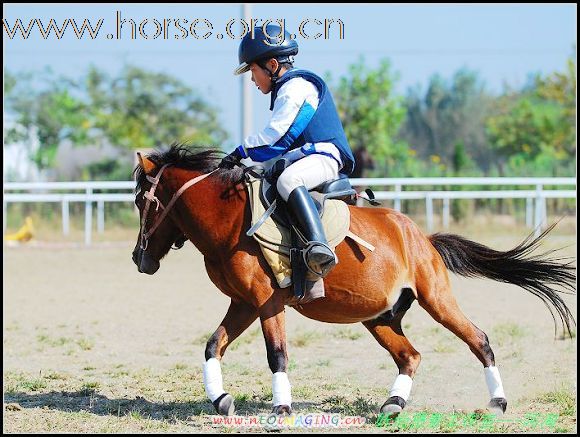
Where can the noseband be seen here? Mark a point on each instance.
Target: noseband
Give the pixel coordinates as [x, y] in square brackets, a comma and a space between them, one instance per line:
[151, 198]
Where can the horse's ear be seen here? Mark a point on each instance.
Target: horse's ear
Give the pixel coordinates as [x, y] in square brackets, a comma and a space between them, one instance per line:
[147, 165]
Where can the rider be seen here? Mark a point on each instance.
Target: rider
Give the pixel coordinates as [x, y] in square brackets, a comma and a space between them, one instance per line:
[304, 130]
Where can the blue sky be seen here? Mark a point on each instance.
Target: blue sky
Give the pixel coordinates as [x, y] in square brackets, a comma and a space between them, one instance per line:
[504, 43]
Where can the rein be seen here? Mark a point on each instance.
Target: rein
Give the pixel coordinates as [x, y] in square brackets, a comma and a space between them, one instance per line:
[151, 198]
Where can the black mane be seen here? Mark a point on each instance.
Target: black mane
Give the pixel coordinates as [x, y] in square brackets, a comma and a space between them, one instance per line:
[194, 158]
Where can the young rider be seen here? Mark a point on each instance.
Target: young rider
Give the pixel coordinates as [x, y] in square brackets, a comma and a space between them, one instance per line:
[304, 130]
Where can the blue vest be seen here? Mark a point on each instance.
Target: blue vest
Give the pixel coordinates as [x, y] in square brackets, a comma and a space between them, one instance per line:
[325, 126]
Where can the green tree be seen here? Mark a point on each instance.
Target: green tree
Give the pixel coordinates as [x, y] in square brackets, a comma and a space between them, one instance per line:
[561, 89]
[372, 114]
[461, 164]
[449, 114]
[44, 106]
[534, 130]
[142, 109]
[137, 109]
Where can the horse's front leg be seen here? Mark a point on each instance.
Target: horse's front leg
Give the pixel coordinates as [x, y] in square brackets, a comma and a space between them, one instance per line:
[272, 317]
[238, 318]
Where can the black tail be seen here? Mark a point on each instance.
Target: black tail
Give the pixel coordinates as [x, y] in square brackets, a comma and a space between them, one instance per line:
[535, 273]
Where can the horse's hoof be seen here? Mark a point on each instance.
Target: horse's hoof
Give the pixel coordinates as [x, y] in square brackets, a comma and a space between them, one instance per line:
[393, 406]
[282, 410]
[498, 406]
[224, 405]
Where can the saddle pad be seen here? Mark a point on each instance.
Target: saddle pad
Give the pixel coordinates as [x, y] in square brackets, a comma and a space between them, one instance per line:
[276, 242]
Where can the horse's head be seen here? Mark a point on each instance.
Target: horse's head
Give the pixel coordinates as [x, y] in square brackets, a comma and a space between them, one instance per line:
[157, 232]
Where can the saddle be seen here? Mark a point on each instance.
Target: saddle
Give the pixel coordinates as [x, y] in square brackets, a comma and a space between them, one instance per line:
[280, 239]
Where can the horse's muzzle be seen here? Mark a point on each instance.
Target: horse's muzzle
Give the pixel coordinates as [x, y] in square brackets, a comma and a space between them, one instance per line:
[144, 262]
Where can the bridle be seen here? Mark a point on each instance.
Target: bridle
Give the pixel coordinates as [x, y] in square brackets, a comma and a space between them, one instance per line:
[151, 198]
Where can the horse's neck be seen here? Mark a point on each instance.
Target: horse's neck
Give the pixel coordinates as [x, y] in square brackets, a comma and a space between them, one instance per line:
[212, 214]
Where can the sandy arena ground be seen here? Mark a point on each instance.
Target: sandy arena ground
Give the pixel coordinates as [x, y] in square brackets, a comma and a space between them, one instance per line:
[91, 345]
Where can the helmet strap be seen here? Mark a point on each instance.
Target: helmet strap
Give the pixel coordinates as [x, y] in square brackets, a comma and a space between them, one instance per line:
[274, 75]
[273, 79]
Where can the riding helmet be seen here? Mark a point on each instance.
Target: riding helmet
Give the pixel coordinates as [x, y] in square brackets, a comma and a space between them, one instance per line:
[265, 46]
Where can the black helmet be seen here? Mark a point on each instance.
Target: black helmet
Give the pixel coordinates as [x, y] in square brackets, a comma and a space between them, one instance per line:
[265, 46]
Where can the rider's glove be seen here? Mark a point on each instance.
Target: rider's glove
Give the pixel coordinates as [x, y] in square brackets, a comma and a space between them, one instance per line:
[231, 160]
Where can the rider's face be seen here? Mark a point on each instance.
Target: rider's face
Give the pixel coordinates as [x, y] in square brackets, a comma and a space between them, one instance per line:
[261, 77]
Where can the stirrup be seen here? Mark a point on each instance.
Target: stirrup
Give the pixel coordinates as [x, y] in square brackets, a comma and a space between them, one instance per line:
[326, 267]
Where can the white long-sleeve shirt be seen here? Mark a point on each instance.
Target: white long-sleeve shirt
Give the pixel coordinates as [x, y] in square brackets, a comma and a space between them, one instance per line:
[294, 107]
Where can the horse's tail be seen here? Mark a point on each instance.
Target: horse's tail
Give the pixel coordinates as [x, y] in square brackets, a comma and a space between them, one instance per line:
[535, 273]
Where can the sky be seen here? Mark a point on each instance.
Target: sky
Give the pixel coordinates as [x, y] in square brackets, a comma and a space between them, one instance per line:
[503, 43]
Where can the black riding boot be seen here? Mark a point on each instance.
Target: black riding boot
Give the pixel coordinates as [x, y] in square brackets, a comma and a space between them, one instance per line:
[319, 255]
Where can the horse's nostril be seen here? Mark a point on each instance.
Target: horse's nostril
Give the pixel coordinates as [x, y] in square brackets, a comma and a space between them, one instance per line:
[137, 256]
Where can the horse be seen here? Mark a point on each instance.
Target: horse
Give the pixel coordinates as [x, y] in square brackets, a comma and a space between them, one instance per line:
[182, 195]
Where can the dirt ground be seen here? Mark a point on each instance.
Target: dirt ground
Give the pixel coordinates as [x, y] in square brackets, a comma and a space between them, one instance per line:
[91, 345]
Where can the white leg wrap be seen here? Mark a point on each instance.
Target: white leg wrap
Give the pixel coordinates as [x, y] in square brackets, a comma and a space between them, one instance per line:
[281, 389]
[402, 387]
[212, 379]
[493, 381]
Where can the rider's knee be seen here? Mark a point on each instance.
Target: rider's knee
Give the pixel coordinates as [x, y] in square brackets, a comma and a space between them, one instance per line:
[287, 182]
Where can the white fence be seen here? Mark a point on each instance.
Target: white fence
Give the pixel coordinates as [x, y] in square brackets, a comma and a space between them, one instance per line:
[37, 193]
[536, 212]
[535, 195]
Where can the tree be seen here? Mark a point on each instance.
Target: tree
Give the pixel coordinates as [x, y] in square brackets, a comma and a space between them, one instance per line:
[446, 115]
[141, 109]
[561, 89]
[43, 106]
[137, 109]
[371, 115]
[534, 131]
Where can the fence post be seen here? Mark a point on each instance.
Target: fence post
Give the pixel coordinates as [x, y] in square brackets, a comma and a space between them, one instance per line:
[65, 217]
[100, 216]
[397, 198]
[544, 211]
[539, 213]
[446, 213]
[88, 217]
[429, 212]
[529, 212]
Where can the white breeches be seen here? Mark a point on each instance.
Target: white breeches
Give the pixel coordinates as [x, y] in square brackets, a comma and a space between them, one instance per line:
[310, 171]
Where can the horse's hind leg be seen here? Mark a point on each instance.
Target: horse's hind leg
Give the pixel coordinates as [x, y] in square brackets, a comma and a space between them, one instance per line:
[390, 336]
[238, 318]
[442, 306]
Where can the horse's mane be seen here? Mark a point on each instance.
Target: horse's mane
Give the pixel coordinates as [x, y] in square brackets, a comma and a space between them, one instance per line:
[196, 158]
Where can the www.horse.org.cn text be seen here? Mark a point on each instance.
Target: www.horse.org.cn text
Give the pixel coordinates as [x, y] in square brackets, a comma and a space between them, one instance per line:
[172, 28]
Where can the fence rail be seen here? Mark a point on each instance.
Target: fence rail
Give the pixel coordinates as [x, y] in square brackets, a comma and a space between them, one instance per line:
[536, 213]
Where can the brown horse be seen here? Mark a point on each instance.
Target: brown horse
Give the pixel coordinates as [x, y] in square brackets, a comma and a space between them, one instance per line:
[181, 195]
